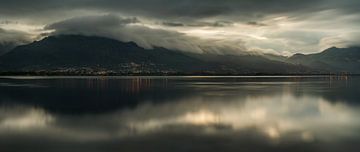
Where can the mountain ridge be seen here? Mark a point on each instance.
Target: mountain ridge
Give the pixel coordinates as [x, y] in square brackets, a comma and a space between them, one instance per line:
[92, 55]
[332, 59]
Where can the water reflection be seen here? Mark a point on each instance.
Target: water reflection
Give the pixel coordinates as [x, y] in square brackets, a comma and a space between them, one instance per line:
[23, 118]
[275, 116]
[185, 114]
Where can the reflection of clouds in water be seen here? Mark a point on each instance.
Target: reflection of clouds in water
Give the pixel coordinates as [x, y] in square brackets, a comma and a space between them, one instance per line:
[200, 118]
[277, 117]
[24, 118]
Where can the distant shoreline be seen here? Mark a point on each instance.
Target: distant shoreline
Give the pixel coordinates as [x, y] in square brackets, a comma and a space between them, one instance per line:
[173, 74]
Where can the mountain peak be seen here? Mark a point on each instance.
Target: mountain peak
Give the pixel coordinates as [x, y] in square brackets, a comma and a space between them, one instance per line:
[297, 56]
[331, 49]
[332, 59]
[334, 47]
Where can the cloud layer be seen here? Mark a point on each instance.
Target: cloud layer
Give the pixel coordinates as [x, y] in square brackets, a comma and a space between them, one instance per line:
[132, 29]
[230, 26]
[12, 38]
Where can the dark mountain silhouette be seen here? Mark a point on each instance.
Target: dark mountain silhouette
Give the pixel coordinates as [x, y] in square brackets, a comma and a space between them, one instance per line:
[77, 54]
[331, 60]
[250, 64]
[73, 51]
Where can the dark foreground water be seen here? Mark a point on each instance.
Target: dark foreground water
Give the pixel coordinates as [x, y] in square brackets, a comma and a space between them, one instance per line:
[171, 114]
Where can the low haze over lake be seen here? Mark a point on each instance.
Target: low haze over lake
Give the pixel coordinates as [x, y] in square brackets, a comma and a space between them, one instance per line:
[137, 114]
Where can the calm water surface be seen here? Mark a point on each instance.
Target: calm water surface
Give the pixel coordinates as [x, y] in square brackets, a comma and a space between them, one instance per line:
[171, 114]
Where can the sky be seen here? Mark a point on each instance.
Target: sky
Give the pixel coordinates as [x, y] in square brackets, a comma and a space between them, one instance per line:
[281, 27]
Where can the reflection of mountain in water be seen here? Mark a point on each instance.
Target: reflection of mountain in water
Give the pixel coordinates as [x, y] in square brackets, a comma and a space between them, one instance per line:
[97, 94]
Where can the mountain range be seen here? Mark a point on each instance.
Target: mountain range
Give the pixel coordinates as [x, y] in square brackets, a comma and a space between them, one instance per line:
[92, 55]
[332, 60]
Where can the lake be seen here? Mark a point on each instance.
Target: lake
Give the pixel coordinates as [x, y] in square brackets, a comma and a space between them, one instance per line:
[180, 114]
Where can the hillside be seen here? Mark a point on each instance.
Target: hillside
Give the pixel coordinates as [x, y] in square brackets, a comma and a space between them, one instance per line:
[332, 60]
[77, 54]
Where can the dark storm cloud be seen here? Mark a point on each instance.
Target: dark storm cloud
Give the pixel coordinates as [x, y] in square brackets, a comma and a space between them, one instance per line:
[179, 21]
[131, 29]
[199, 24]
[91, 23]
[255, 23]
[174, 24]
[122, 29]
[176, 8]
